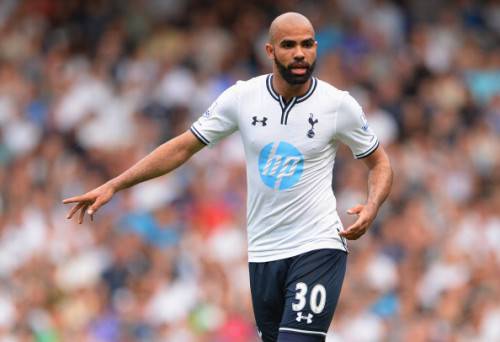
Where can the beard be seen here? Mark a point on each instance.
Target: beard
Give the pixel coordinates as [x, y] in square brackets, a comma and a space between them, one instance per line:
[290, 77]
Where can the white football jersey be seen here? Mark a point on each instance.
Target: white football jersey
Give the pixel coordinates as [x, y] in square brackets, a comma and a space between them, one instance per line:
[290, 150]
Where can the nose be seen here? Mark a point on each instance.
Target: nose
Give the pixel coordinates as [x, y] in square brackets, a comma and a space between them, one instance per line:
[299, 54]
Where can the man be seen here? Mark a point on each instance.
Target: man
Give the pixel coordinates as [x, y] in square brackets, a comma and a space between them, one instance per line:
[291, 125]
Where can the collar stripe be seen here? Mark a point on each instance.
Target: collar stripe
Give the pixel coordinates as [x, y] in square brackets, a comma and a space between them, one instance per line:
[289, 108]
[270, 87]
[282, 102]
[286, 107]
[269, 84]
[310, 91]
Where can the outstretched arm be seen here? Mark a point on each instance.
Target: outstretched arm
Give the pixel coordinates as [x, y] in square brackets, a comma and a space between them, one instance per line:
[162, 160]
[379, 186]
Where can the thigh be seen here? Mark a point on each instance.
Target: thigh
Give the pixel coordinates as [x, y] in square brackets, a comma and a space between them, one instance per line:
[267, 285]
[313, 285]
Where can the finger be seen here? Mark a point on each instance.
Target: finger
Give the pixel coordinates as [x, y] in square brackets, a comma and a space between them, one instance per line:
[82, 198]
[74, 210]
[91, 213]
[355, 210]
[353, 230]
[356, 225]
[352, 234]
[347, 234]
[82, 214]
[95, 206]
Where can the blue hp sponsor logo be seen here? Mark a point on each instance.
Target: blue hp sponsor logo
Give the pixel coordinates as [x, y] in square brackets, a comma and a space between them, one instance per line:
[280, 165]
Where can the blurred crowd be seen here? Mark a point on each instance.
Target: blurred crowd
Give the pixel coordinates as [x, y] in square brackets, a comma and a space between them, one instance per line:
[88, 87]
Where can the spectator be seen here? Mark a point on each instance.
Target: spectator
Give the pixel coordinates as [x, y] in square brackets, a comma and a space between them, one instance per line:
[87, 87]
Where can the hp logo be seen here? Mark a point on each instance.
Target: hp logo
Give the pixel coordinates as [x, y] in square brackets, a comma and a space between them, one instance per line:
[280, 165]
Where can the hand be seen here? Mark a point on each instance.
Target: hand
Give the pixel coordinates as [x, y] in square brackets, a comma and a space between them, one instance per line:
[90, 202]
[366, 215]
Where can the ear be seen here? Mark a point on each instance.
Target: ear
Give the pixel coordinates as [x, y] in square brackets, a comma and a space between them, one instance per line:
[270, 51]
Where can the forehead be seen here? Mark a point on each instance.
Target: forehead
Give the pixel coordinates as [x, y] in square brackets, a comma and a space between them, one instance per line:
[293, 32]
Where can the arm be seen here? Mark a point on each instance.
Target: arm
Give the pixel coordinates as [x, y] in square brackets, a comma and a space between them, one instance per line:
[379, 186]
[162, 160]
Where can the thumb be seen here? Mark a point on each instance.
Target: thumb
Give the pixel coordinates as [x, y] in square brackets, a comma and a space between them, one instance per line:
[355, 210]
[95, 206]
[101, 199]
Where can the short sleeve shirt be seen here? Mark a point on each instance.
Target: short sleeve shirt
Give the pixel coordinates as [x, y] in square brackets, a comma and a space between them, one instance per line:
[290, 149]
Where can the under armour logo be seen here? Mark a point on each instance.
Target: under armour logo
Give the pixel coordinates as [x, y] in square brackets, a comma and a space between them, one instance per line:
[263, 122]
[312, 122]
[308, 318]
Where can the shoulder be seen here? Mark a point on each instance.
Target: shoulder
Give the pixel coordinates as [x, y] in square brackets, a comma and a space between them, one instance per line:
[342, 103]
[242, 89]
[331, 94]
[327, 87]
[252, 84]
[230, 99]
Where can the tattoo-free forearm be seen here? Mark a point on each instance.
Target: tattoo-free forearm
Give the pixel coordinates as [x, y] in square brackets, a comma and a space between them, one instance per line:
[379, 183]
[162, 160]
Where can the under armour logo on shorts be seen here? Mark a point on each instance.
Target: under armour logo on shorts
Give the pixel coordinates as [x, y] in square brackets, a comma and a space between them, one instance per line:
[308, 318]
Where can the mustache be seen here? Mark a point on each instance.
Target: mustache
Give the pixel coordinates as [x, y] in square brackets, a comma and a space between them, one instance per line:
[298, 65]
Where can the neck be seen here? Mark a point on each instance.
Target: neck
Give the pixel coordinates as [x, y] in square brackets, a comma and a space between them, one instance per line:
[288, 90]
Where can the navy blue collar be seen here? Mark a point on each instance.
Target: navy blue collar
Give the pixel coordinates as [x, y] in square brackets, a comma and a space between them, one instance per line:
[287, 106]
[295, 99]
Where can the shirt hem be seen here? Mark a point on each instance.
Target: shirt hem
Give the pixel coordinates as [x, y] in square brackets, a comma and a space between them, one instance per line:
[334, 244]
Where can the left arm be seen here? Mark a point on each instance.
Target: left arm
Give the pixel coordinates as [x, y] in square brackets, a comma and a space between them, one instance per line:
[379, 186]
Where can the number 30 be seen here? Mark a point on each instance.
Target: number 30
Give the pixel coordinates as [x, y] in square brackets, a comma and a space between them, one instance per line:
[317, 304]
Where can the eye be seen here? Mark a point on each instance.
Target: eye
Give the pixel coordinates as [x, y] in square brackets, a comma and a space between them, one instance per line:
[308, 43]
[287, 44]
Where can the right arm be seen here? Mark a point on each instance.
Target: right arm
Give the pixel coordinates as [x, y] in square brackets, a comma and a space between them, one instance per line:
[162, 160]
[216, 123]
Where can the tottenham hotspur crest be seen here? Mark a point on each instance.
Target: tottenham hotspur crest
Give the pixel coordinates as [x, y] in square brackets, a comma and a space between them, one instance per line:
[312, 122]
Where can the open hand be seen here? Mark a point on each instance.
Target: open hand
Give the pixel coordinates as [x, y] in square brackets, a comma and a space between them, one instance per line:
[90, 202]
[366, 215]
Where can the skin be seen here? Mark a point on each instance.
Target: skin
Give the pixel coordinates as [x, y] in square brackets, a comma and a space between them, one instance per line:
[162, 160]
[291, 42]
[380, 177]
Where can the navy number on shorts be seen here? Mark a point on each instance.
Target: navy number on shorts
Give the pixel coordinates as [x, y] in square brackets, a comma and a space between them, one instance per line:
[317, 298]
